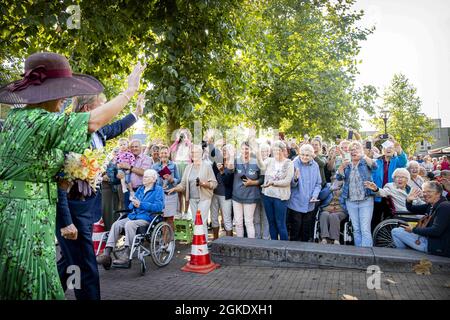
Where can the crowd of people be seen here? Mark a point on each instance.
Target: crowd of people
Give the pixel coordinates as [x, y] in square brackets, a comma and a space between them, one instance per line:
[274, 189]
[268, 189]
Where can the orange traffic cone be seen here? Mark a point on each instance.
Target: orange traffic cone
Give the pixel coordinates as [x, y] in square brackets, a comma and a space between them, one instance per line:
[98, 232]
[200, 259]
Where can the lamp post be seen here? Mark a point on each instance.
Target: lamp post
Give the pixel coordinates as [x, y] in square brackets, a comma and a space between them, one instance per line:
[385, 117]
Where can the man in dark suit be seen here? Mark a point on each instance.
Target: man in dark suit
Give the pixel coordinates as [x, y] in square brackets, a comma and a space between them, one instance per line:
[77, 249]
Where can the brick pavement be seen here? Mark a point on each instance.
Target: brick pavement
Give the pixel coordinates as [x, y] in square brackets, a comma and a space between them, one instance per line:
[250, 283]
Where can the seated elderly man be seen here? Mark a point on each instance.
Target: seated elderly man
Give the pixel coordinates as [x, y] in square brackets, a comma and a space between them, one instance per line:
[398, 190]
[147, 200]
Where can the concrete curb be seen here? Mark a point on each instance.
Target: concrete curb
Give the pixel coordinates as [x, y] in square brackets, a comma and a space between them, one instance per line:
[266, 253]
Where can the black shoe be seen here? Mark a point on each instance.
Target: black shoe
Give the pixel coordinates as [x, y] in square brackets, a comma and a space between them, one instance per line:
[105, 261]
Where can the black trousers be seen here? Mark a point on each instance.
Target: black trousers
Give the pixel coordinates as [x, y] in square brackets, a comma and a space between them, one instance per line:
[381, 211]
[78, 255]
[300, 225]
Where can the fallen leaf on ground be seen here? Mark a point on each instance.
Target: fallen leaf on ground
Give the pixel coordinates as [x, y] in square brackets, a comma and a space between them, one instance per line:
[423, 267]
[447, 285]
[333, 291]
[348, 297]
[390, 281]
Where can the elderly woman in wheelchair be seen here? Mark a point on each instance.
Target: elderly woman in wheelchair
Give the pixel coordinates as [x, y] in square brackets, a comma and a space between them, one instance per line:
[330, 215]
[145, 208]
[396, 192]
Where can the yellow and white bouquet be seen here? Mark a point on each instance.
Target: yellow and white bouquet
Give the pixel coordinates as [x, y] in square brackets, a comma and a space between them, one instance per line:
[84, 170]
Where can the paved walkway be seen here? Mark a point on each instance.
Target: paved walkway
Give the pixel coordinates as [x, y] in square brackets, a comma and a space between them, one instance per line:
[247, 283]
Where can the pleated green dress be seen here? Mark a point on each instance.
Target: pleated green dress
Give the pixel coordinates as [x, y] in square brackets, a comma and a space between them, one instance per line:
[32, 147]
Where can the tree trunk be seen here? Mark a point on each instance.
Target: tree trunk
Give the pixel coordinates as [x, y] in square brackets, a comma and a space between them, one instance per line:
[173, 123]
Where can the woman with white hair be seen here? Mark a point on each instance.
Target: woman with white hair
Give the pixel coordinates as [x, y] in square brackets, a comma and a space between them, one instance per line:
[198, 183]
[279, 171]
[427, 164]
[355, 195]
[148, 200]
[305, 187]
[415, 181]
[398, 190]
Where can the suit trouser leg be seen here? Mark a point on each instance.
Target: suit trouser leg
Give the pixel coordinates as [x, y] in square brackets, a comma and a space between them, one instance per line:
[79, 255]
[130, 230]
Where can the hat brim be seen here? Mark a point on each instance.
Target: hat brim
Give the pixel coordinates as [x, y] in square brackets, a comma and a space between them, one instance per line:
[52, 89]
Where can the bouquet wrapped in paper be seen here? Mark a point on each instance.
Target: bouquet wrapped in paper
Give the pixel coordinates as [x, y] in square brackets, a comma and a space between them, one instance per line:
[84, 172]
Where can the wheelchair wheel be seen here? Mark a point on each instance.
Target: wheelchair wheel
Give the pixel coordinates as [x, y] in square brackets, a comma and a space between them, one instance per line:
[316, 231]
[162, 244]
[382, 236]
[348, 233]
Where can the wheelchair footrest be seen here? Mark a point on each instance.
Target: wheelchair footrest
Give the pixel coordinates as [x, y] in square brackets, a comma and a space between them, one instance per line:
[122, 266]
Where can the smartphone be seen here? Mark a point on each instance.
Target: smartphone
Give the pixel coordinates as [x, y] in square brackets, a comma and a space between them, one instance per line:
[244, 177]
[384, 136]
[369, 145]
[347, 156]
[350, 135]
[197, 181]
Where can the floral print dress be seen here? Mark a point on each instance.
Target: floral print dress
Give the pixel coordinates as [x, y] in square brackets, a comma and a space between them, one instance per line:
[32, 147]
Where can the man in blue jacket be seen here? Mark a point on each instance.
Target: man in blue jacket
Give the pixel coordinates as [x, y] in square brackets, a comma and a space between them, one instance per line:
[393, 157]
[78, 250]
[148, 200]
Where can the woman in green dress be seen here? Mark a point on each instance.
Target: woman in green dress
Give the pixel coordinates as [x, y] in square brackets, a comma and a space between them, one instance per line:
[32, 146]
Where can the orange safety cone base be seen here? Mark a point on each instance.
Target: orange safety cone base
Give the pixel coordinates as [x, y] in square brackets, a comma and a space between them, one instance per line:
[200, 259]
[200, 269]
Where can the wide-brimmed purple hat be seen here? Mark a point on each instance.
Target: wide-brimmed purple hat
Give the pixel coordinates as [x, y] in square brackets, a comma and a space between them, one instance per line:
[48, 76]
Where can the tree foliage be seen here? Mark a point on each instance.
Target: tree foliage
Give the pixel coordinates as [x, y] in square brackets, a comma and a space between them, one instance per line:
[285, 64]
[406, 122]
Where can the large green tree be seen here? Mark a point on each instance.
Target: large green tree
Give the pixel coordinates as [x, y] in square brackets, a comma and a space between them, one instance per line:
[300, 58]
[406, 121]
[278, 63]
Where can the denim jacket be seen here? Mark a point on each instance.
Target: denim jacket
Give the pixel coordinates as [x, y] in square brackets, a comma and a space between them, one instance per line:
[174, 172]
[366, 175]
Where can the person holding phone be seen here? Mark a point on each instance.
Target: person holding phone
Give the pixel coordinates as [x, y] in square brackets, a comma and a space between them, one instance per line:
[305, 187]
[198, 183]
[246, 190]
[278, 173]
[357, 198]
[319, 158]
[222, 193]
[393, 158]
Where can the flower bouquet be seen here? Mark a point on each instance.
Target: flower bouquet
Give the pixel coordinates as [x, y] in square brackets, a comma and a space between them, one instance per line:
[84, 172]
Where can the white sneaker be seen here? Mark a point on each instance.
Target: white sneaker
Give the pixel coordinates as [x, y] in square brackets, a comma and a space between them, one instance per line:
[324, 241]
[336, 242]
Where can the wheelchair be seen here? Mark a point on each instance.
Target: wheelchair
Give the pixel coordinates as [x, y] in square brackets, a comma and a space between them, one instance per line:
[346, 230]
[156, 240]
[382, 234]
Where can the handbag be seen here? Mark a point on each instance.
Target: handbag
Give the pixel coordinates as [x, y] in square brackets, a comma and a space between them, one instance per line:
[423, 223]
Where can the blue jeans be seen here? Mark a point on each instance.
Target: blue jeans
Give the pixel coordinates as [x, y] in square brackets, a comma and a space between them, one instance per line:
[360, 213]
[276, 215]
[404, 239]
